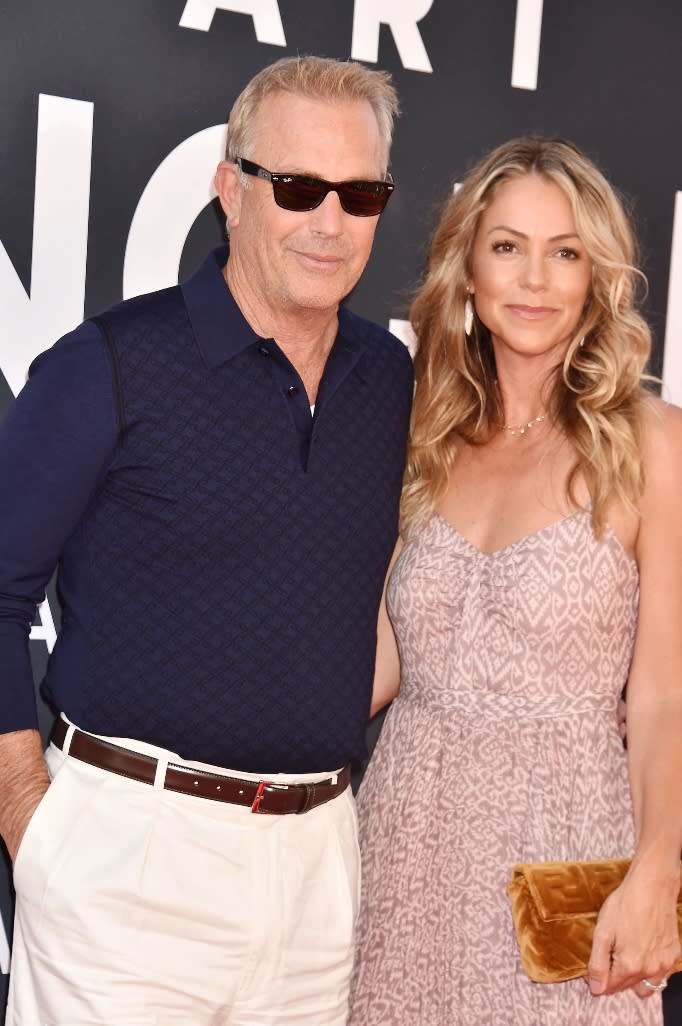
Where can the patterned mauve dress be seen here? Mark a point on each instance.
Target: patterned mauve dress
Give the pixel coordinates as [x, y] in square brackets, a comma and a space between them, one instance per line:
[502, 747]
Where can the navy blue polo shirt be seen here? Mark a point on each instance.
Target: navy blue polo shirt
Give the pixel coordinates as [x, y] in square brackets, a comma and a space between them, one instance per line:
[221, 551]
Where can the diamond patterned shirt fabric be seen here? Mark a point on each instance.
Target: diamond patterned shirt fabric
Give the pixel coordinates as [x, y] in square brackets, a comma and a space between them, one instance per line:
[221, 551]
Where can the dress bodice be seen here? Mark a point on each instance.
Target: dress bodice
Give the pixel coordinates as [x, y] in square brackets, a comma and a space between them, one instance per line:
[548, 620]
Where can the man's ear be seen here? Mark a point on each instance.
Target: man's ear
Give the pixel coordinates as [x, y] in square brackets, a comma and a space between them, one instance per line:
[229, 188]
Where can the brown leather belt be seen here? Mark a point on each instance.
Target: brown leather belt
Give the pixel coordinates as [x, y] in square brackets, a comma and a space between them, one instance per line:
[263, 796]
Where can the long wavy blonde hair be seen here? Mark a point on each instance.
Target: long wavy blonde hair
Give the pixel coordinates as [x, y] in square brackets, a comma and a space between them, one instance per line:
[596, 396]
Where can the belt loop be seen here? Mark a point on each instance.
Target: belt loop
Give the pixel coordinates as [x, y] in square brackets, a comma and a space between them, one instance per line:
[309, 798]
[160, 775]
[70, 731]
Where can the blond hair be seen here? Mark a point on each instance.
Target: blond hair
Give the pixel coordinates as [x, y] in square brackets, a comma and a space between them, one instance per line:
[596, 395]
[318, 78]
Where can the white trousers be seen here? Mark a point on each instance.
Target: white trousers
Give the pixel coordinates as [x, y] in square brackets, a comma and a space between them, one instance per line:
[138, 906]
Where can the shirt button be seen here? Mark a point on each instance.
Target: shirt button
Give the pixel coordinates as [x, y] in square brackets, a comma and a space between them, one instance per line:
[292, 391]
[263, 350]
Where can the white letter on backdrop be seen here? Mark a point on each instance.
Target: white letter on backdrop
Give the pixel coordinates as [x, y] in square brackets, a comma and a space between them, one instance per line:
[60, 240]
[403, 330]
[672, 359]
[46, 631]
[402, 16]
[177, 192]
[527, 44]
[198, 14]
[4, 949]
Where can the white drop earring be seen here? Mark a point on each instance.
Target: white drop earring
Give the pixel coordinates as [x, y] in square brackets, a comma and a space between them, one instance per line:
[468, 316]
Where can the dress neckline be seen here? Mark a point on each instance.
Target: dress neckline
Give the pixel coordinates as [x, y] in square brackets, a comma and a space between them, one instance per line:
[548, 529]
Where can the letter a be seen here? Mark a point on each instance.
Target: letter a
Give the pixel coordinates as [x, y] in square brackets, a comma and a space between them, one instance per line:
[198, 14]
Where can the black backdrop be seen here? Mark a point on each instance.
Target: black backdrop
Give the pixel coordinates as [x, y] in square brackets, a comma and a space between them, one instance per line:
[110, 129]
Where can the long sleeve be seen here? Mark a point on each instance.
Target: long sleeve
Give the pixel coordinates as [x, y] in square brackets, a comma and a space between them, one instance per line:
[55, 446]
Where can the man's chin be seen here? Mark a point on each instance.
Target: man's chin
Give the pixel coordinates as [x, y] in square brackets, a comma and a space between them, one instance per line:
[320, 299]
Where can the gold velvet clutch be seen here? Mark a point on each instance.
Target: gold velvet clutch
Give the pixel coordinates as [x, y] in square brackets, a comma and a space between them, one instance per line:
[554, 908]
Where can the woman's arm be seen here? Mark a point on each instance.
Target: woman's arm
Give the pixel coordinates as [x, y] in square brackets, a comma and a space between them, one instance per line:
[387, 664]
[636, 936]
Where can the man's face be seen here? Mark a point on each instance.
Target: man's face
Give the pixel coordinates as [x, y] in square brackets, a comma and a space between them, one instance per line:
[296, 262]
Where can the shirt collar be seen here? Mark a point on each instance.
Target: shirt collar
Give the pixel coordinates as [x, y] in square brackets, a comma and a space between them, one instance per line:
[219, 326]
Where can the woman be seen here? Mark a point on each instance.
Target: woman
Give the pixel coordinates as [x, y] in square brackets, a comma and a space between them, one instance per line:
[539, 571]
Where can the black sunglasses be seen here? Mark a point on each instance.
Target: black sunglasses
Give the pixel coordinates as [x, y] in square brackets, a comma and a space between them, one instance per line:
[300, 192]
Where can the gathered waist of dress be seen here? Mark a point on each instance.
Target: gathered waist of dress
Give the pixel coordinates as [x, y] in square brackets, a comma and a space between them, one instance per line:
[496, 705]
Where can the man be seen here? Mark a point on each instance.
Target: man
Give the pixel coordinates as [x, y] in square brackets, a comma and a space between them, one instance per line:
[216, 470]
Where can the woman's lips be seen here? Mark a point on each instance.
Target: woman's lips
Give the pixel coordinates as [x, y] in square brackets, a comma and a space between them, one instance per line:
[531, 313]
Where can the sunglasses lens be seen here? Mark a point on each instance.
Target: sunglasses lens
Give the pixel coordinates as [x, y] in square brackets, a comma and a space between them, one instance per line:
[293, 192]
[364, 199]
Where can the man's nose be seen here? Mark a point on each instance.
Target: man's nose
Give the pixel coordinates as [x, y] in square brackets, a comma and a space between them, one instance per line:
[328, 218]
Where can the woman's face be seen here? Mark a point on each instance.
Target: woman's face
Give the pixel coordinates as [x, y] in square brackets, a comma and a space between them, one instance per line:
[531, 273]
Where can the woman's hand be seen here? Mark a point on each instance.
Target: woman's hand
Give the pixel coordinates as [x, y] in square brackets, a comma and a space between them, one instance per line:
[636, 937]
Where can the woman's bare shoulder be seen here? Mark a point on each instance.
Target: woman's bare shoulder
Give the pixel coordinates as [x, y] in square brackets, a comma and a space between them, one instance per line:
[662, 439]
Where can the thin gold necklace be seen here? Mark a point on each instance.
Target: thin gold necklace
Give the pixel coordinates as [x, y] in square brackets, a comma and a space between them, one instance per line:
[521, 429]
